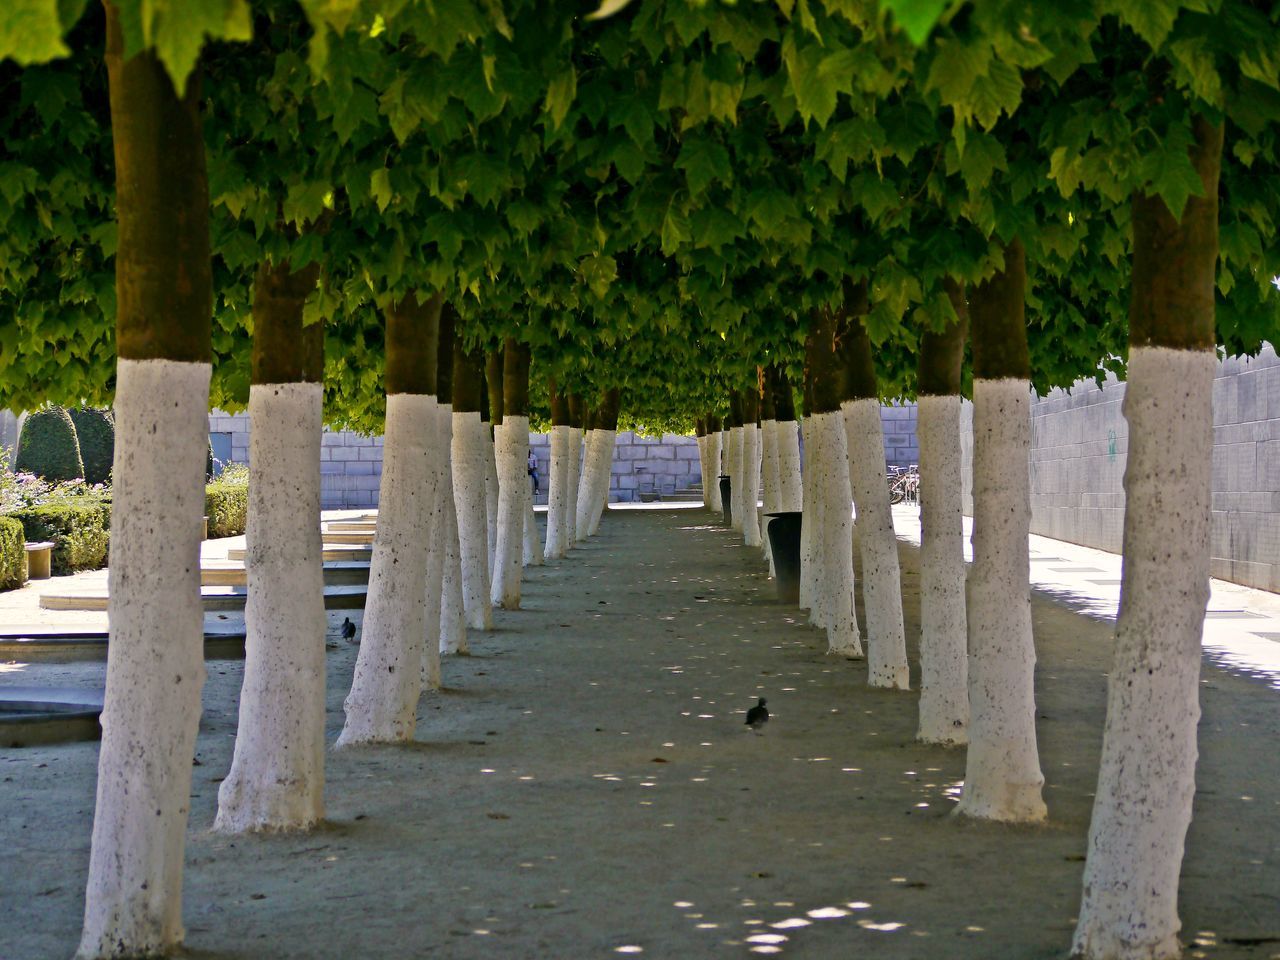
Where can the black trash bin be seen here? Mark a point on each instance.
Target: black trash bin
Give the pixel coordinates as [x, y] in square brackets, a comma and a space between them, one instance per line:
[726, 503]
[784, 543]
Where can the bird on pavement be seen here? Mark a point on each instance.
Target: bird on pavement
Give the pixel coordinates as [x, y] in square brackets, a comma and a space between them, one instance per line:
[758, 715]
[349, 630]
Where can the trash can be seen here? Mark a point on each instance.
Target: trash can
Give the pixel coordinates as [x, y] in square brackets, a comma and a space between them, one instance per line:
[784, 541]
[726, 501]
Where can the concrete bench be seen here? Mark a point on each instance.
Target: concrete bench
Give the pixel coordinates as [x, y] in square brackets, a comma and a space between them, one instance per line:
[39, 560]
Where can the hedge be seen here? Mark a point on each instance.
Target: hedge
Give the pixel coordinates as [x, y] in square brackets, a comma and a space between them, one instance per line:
[13, 557]
[226, 505]
[48, 446]
[80, 532]
[96, 431]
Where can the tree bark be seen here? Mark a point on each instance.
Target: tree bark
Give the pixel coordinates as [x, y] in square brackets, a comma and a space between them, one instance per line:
[1002, 776]
[944, 669]
[512, 451]
[750, 469]
[575, 468]
[607, 418]
[382, 704]
[558, 481]
[790, 488]
[276, 781]
[453, 617]
[1147, 778]
[873, 530]
[155, 663]
[469, 455]
[832, 546]
[715, 453]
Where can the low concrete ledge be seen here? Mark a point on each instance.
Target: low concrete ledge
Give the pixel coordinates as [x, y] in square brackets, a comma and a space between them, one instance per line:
[32, 716]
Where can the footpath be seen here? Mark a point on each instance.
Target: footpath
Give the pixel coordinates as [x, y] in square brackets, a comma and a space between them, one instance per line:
[586, 787]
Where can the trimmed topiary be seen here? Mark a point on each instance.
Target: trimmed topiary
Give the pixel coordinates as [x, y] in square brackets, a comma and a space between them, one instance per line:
[96, 431]
[13, 555]
[48, 446]
[227, 507]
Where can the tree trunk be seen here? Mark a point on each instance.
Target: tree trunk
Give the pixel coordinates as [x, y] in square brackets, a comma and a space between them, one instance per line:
[1002, 776]
[469, 455]
[512, 451]
[276, 780]
[864, 436]
[700, 435]
[790, 485]
[810, 521]
[575, 456]
[558, 482]
[382, 705]
[833, 532]
[715, 436]
[770, 476]
[750, 469]
[737, 481]
[944, 669]
[155, 663]
[453, 618]
[493, 397]
[608, 421]
[1147, 778]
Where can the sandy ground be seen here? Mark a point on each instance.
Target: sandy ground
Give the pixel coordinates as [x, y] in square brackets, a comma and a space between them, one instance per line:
[585, 787]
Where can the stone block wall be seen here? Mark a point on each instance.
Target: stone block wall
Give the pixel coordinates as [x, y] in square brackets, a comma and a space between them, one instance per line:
[351, 464]
[1080, 441]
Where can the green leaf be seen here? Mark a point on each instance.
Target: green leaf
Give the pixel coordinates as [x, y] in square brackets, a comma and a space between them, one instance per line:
[304, 201]
[916, 17]
[675, 230]
[560, 94]
[31, 31]
[380, 188]
[999, 91]
[1150, 19]
[703, 160]
[178, 29]
[598, 273]
[956, 67]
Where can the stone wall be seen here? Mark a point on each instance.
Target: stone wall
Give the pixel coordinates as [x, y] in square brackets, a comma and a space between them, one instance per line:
[351, 464]
[1080, 441]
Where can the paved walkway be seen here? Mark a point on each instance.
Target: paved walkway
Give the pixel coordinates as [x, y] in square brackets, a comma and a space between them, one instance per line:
[585, 787]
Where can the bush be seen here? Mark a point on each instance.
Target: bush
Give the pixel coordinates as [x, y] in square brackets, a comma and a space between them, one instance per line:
[96, 431]
[48, 446]
[13, 557]
[80, 531]
[226, 503]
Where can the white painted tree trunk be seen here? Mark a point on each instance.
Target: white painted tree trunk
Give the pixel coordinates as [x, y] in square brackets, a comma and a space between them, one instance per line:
[881, 573]
[453, 617]
[1147, 777]
[491, 491]
[532, 541]
[469, 458]
[558, 493]
[790, 484]
[810, 541]
[155, 660]
[736, 481]
[831, 486]
[276, 780]
[944, 667]
[702, 469]
[433, 599]
[383, 702]
[769, 482]
[571, 485]
[1002, 775]
[586, 481]
[604, 470]
[750, 485]
[713, 469]
[513, 483]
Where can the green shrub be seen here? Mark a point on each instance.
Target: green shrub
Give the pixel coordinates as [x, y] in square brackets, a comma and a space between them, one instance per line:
[13, 558]
[227, 505]
[80, 532]
[96, 431]
[48, 446]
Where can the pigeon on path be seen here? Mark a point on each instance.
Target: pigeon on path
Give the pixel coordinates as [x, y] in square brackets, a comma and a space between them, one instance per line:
[758, 715]
[349, 630]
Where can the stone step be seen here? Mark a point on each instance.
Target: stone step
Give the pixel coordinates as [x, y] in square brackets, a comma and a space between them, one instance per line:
[345, 573]
[212, 598]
